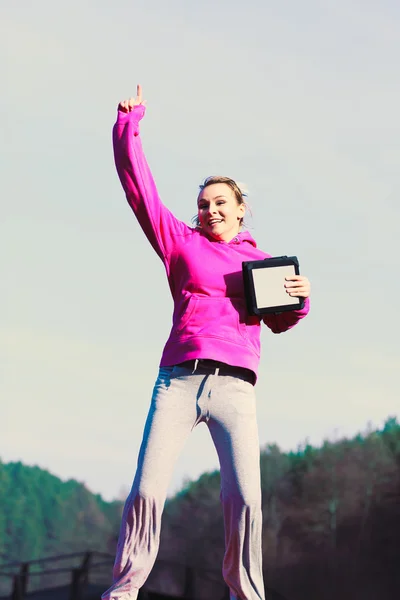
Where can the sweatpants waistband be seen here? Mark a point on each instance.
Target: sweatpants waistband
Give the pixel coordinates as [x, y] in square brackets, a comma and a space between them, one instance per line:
[207, 366]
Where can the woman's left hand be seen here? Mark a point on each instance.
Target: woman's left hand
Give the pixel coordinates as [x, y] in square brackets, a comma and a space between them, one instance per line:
[298, 286]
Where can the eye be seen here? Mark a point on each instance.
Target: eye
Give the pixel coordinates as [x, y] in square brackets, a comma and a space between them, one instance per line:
[220, 202]
[201, 206]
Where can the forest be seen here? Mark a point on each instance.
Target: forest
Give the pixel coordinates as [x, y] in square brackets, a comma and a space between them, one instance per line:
[331, 519]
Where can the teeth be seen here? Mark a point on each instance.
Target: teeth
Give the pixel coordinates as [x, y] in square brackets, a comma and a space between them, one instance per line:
[215, 221]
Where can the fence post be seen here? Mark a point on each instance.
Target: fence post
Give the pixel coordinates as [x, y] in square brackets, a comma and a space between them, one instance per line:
[74, 591]
[80, 578]
[17, 588]
[20, 583]
[24, 577]
[85, 567]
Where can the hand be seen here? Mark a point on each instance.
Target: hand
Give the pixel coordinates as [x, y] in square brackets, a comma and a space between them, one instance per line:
[298, 286]
[128, 105]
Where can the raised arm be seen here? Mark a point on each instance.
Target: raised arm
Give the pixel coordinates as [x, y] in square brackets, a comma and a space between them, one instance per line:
[158, 223]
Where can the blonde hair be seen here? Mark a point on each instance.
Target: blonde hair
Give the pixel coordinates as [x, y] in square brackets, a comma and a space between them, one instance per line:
[238, 190]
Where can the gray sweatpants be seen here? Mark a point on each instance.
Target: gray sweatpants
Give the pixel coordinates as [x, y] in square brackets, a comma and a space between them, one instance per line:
[182, 399]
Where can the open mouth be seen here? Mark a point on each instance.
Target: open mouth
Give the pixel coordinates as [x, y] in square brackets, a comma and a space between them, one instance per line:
[215, 221]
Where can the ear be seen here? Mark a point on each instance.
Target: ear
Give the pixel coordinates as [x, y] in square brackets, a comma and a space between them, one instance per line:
[242, 210]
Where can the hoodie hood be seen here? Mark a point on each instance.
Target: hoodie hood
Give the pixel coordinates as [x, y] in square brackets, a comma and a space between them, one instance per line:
[245, 236]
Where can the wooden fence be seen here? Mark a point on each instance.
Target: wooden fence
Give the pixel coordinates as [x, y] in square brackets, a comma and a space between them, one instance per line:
[23, 576]
[79, 574]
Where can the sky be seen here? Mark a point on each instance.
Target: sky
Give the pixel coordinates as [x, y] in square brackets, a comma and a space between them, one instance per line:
[299, 100]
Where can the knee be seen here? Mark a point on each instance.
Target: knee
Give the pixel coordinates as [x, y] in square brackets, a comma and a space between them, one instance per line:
[148, 489]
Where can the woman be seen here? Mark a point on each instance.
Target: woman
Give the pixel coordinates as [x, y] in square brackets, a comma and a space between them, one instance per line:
[207, 371]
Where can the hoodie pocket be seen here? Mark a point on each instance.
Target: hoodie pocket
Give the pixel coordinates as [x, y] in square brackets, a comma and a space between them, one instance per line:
[222, 318]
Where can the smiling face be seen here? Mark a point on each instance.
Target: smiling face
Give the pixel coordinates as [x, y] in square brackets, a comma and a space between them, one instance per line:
[219, 211]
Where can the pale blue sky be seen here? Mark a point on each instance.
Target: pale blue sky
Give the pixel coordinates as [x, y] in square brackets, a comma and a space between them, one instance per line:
[299, 100]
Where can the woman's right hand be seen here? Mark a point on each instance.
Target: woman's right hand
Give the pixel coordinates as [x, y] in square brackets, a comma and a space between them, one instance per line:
[128, 105]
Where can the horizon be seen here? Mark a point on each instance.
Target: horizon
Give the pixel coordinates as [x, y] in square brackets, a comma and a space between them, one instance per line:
[301, 447]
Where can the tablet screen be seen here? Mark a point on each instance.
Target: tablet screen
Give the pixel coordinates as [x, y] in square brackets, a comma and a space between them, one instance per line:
[269, 286]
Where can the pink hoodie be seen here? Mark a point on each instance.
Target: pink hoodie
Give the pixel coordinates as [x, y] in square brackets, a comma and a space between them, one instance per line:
[210, 319]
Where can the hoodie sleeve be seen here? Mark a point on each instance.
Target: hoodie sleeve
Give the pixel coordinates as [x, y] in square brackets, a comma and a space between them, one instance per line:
[158, 223]
[280, 322]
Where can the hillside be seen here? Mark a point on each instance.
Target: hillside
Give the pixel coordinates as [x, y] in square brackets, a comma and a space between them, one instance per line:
[41, 515]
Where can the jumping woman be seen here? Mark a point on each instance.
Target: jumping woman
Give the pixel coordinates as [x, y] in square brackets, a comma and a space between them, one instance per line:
[208, 368]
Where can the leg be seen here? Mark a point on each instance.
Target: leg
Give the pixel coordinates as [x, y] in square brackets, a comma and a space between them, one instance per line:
[234, 431]
[171, 417]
